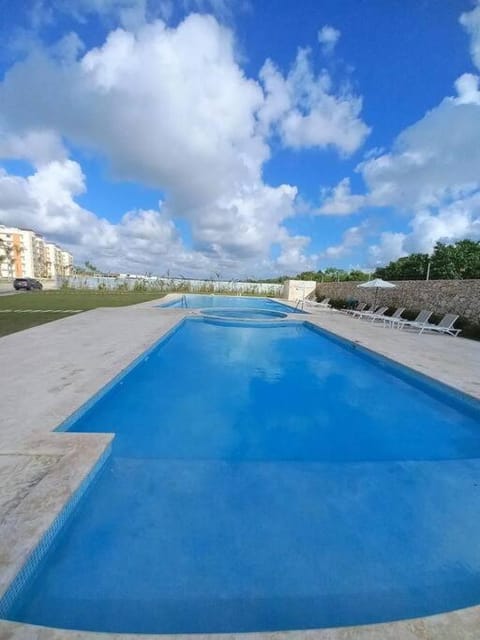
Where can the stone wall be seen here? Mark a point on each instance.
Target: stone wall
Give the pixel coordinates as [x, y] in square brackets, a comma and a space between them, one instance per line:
[440, 296]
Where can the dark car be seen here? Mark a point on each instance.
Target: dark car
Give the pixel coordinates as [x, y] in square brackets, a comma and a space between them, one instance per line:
[27, 284]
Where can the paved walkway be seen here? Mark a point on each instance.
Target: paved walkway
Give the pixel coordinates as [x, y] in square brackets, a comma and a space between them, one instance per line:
[51, 370]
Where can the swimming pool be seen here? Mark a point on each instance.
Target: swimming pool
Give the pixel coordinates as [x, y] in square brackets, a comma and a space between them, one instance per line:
[243, 313]
[267, 477]
[201, 301]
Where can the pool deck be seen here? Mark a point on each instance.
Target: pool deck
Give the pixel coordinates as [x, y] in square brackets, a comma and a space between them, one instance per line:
[49, 371]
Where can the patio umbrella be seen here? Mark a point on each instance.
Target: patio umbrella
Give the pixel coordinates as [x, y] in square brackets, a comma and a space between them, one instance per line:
[376, 284]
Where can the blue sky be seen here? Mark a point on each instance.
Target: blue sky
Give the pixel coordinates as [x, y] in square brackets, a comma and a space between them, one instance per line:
[241, 138]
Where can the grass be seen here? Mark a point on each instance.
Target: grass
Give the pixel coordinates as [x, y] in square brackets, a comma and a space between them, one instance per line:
[13, 322]
[78, 300]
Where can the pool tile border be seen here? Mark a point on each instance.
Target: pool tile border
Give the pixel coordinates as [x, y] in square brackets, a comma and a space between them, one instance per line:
[460, 624]
[41, 549]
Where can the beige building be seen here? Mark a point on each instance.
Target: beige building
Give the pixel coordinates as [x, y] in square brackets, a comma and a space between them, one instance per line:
[25, 254]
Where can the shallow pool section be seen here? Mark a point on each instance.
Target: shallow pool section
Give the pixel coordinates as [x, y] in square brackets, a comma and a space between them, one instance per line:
[199, 301]
[243, 314]
[263, 477]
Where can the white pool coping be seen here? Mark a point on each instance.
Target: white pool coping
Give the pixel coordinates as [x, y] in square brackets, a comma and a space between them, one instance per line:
[62, 364]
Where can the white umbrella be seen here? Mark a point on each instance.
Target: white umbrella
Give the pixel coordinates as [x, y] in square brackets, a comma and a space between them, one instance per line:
[376, 284]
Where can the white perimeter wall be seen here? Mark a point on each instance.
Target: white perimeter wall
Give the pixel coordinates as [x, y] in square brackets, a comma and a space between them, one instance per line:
[233, 286]
[298, 289]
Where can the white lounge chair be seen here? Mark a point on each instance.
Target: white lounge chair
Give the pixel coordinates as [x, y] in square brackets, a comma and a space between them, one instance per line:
[444, 326]
[361, 306]
[396, 315]
[370, 315]
[421, 319]
[324, 304]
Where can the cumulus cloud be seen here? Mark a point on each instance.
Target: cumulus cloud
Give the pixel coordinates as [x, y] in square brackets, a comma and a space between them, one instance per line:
[431, 173]
[36, 146]
[450, 223]
[353, 237]
[328, 37]
[46, 202]
[171, 107]
[471, 22]
[305, 111]
[389, 247]
[467, 89]
[340, 201]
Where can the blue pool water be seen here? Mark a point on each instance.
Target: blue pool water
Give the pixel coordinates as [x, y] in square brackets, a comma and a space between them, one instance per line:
[243, 314]
[200, 301]
[268, 478]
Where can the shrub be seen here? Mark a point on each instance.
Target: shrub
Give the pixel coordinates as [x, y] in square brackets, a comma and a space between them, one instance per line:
[140, 286]
[337, 303]
[469, 329]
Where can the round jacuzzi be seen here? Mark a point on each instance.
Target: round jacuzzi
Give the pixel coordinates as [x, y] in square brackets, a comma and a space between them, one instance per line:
[243, 314]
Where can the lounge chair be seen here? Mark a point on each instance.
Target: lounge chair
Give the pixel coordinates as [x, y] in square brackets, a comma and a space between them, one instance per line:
[444, 326]
[324, 304]
[361, 306]
[420, 320]
[396, 315]
[370, 315]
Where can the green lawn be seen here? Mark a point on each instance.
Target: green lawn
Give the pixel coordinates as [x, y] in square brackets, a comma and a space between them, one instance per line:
[13, 322]
[68, 300]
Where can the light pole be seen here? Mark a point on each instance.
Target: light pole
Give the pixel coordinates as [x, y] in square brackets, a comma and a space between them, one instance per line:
[428, 268]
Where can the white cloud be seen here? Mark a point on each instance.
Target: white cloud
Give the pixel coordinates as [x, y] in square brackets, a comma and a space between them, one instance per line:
[170, 108]
[340, 201]
[306, 112]
[351, 238]
[433, 161]
[36, 146]
[390, 247]
[471, 22]
[143, 240]
[328, 37]
[173, 109]
[292, 258]
[431, 173]
[467, 89]
[455, 221]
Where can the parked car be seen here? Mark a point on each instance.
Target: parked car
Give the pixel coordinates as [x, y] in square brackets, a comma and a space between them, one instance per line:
[27, 284]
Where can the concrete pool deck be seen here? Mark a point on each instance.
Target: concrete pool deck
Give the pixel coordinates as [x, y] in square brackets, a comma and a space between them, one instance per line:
[51, 370]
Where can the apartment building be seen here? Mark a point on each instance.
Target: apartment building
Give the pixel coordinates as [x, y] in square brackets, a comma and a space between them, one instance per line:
[25, 254]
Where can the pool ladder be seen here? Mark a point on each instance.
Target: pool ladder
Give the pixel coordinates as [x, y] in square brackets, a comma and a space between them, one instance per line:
[300, 304]
[184, 302]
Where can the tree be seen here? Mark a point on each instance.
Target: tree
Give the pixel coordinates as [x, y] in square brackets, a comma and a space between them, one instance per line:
[453, 261]
[456, 261]
[412, 267]
[90, 267]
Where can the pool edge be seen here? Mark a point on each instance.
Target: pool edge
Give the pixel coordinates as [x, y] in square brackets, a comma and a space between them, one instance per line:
[435, 626]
